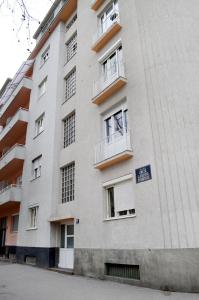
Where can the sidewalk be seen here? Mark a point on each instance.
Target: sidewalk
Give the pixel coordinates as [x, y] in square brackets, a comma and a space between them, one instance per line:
[19, 282]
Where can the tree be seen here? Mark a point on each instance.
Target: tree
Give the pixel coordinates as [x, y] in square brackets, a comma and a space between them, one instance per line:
[24, 18]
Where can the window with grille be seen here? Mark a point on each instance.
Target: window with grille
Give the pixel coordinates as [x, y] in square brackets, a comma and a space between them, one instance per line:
[69, 130]
[68, 178]
[70, 85]
[71, 47]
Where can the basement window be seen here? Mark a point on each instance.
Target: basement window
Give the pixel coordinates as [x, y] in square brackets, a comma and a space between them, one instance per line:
[123, 271]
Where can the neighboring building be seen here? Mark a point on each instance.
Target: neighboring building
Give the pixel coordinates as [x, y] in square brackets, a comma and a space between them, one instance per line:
[100, 156]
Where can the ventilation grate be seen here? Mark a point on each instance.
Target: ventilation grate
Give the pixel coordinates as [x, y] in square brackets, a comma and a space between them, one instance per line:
[31, 260]
[123, 271]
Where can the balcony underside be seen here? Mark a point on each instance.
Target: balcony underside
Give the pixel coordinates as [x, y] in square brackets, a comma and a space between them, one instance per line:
[96, 4]
[7, 207]
[21, 100]
[114, 160]
[12, 167]
[109, 91]
[17, 131]
[106, 37]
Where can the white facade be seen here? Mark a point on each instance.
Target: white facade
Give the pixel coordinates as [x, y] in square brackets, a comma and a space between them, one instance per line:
[135, 104]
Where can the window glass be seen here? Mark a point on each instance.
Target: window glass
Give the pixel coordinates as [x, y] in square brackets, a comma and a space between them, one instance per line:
[70, 85]
[15, 223]
[69, 130]
[68, 178]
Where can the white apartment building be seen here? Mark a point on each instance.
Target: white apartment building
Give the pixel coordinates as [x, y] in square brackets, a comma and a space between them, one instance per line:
[99, 144]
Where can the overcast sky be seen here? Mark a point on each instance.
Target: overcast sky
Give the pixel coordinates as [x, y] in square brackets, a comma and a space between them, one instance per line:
[13, 46]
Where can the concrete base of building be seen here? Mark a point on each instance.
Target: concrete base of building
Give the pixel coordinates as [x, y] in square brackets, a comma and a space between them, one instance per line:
[41, 257]
[8, 251]
[165, 269]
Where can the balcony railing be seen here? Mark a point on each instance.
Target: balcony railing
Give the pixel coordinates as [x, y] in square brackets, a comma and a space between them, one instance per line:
[15, 127]
[109, 82]
[17, 154]
[18, 98]
[12, 193]
[106, 31]
[113, 149]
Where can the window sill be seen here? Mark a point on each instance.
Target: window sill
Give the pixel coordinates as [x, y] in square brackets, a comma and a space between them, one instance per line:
[33, 179]
[41, 96]
[38, 134]
[31, 228]
[119, 218]
[68, 98]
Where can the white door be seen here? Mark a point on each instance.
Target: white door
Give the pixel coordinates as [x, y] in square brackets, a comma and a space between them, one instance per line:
[66, 251]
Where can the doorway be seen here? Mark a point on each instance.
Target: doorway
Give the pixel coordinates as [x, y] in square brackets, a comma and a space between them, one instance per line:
[66, 251]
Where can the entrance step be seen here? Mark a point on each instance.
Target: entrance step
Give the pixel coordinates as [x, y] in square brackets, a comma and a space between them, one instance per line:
[62, 271]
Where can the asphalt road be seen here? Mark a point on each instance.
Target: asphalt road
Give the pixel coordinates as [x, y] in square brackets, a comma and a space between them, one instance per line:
[19, 282]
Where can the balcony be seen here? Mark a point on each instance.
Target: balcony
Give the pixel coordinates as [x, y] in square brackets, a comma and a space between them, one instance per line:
[113, 150]
[95, 4]
[14, 129]
[11, 194]
[19, 98]
[109, 83]
[12, 161]
[107, 30]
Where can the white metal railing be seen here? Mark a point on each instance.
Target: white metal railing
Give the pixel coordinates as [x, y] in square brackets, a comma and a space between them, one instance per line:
[104, 26]
[9, 187]
[11, 149]
[112, 145]
[108, 76]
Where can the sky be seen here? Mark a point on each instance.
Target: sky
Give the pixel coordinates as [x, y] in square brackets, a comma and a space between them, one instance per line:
[14, 41]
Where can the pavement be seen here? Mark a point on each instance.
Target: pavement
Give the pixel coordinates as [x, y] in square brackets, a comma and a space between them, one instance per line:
[22, 282]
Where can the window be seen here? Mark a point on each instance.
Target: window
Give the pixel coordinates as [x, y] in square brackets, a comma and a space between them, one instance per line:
[71, 47]
[120, 200]
[67, 236]
[42, 87]
[109, 16]
[36, 167]
[33, 213]
[39, 125]
[68, 177]
[15, 223]
[70, 85]
[116, 124]
[45, 56]
[69, 130]
[112, 67]
[71, 22]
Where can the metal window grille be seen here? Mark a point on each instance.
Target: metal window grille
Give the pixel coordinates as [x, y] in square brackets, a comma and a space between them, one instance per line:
[68, 178]
[70, 85]
[69, 25]
[69, 130]
[71, 47]
[123, 271]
